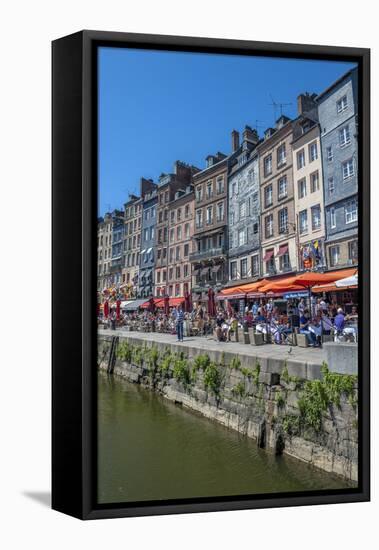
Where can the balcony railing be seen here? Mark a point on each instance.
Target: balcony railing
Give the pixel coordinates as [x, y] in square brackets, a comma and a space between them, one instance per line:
[209, 253]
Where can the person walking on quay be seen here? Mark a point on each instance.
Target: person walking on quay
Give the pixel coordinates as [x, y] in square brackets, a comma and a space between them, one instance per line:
[113, 320]
[179, 323]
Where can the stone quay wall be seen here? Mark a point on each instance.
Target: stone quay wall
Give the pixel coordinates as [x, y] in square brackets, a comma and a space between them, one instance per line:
[303, 410]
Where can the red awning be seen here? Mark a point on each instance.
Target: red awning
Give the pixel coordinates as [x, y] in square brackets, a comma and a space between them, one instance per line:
[283, 249]
[269, 254]
[176, 301]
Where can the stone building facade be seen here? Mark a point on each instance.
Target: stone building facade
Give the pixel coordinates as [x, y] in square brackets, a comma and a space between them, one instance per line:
[168, 187]
[209, 257]
[148, 243]
[244, 208]
[338, 115]
[104, 251]
[117, 240]
[308, 185]
[132, 245]
[181, 229]
[278, 228]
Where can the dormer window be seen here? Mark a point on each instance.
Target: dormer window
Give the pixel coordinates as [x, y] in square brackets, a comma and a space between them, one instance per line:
[242, 160]
[305, 127]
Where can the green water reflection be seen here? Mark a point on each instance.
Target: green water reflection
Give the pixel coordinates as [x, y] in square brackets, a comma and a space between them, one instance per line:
[151, 449]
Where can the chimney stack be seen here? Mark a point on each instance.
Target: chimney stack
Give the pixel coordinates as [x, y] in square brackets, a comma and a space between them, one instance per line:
[305, 103]
[250, 135]
[146, 186]
[235, 140]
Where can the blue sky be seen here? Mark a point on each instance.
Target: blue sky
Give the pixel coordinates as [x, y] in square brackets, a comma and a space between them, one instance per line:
[157, 107]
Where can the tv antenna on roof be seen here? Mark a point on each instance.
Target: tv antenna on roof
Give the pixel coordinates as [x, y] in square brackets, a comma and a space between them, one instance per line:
[259, 124]
[108, 207]
[277, 106]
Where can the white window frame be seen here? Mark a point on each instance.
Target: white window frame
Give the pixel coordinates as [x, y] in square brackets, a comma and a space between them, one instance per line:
[268, 192]
[300, 159]
[303, 216]
[267, 165]
[209, 185]
[199, 193]
[199, 218]
[282, 194]
[334, 252]
[220, 211]
[313, 151]
[254, 264]
[349, 164]
[283, 227]
[244, 262]
[243, 233]
[351, 215]
[342, 104]
[315, 176]
[316, 208]
[344, 136]
[333, 221]
[281, 154]
[209, 216]
[220, 185]
[302, 186]
[269, 223]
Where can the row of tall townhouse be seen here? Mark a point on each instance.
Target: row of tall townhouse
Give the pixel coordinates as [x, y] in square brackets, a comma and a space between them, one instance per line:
[273, 206]
[209, 255]
[174, 230]
[109, 249]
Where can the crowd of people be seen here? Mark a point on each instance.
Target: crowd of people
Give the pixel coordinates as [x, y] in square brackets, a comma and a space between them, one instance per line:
[315, 319]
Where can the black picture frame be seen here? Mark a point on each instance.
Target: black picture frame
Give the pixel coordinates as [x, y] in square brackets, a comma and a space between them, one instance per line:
[74, 206]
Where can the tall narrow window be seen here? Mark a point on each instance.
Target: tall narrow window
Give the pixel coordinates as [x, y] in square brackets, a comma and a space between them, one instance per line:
[303, 221]
[233, 270]
[220, 211]
[220, 184]
[302, 188]
[300, 157]
[209, 215]
[268, 195]
[315, 182]
[351, 211]
[342, 104]
[348, 169]
[312, 151]
[334, 255]
[316, 217]
[282, 187]
[255, 265]
[244, 268]
[269, 226]
[267, 165]
[283, 220]
[344, 136]
[281, 154]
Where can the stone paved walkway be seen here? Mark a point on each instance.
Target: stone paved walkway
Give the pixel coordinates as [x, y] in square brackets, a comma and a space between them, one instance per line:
[273, 351]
